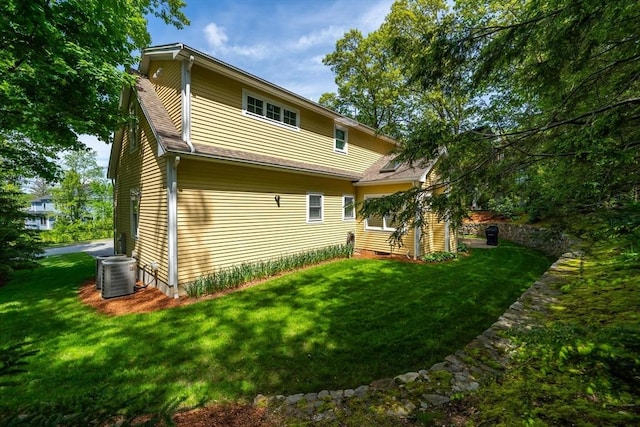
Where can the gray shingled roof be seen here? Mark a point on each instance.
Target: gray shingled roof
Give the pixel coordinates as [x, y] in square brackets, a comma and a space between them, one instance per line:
[162, 126]
[404, 173]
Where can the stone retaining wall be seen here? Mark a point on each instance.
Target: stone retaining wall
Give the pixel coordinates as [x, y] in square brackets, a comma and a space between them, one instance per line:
[548, 241]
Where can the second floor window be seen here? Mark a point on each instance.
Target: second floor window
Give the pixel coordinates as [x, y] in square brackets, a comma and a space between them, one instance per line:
[340, 140]
[274, 112]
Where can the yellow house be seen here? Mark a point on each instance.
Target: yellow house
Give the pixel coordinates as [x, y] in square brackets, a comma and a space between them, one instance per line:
[219, 167]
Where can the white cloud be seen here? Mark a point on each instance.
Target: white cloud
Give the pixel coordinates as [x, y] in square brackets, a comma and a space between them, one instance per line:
[215, 35]
[325, 36]
[258, 51]
[374, 17]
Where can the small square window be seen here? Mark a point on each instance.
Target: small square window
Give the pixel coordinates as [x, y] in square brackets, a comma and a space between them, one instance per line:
[273, 112]
[255, 105]
[340, 140]
[314, 207]
[348, 208]
[290, 118]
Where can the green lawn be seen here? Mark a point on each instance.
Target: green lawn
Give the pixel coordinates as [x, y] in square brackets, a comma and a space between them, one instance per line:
[338, 325]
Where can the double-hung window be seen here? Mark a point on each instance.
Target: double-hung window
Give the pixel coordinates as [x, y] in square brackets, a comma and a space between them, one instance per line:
[260, 107]
[340, 140]
[315, 207]
[348, 208]
[381, 223]
[135, 212]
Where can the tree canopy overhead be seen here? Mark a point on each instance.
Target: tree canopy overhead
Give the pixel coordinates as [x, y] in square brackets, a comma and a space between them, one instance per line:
[538, 99]
[62, 67]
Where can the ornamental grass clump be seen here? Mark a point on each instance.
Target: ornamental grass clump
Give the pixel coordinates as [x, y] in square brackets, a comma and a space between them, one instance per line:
[234, 276]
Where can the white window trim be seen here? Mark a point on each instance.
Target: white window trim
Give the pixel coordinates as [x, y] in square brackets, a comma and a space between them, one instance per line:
[384, 218]
[263, 117]
[335, 140]
[344, 204]
[135, 224]
[313, 220]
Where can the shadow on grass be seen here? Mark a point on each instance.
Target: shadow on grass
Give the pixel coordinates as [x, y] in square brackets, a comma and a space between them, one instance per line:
[339, 325]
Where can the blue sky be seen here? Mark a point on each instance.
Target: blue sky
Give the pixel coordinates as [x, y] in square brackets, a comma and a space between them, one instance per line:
[280, 41]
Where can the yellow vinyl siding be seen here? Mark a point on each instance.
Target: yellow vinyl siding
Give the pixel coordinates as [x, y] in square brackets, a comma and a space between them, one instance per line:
[168, 86]
[217, 119]
[378, 240]
[227, 214]
[142, 170]
[433, 234]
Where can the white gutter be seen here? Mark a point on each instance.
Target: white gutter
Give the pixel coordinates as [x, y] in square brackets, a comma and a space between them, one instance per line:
[186, 102]
[172, 222]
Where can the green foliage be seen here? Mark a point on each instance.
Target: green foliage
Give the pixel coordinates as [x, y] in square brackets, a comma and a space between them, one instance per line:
[63, 232]
[62, 68]
[20, 247]
[539, 102]
[83, 200]
[583, 362]
[506, 207]
[12, 362]
[462, 247]
[439, 256]
[236, 275]
[371, 87]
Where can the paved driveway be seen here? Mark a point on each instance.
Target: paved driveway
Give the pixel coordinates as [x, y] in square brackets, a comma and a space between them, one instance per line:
[95, 248]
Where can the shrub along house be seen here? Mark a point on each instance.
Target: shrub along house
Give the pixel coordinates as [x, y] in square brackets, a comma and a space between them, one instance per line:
[219, 167]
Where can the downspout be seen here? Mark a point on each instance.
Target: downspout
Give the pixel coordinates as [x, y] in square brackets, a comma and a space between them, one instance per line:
[417, 231]
[186, 102]
[113, 214]
[172, 177]
[172, 224]
[447, 226]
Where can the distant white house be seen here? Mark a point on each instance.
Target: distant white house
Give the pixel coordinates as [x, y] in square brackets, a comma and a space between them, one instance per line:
[42, 214]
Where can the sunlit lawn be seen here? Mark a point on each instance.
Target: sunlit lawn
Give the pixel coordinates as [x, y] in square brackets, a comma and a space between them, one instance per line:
[338, 325]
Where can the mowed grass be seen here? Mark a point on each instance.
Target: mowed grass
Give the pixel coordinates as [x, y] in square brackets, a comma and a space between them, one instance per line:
[334, 326]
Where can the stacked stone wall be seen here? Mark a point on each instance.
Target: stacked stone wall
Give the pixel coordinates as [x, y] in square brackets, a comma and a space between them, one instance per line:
[549, 241]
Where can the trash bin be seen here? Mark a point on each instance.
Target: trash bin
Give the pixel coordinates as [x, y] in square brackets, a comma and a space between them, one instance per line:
[492, 235]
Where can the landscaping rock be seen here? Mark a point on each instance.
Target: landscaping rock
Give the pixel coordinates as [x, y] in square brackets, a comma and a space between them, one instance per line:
[406, 378]
[435, 399]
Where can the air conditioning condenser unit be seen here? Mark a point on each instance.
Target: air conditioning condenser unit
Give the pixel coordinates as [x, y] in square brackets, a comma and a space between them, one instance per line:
[99, 260]
[118, 277]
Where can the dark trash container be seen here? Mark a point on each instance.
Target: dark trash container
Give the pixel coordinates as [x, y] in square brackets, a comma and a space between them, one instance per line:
[492, 235]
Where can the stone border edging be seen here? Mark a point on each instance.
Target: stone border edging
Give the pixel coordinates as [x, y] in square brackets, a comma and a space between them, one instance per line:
[484, 358]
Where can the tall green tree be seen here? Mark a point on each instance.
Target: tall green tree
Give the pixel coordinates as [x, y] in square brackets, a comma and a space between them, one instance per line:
[84, 194]
[62, 67]
[371, 87]
[554, 90]
[20, 247]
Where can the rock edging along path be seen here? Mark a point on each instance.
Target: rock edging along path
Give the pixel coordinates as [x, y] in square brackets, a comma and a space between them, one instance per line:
[484, 358]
